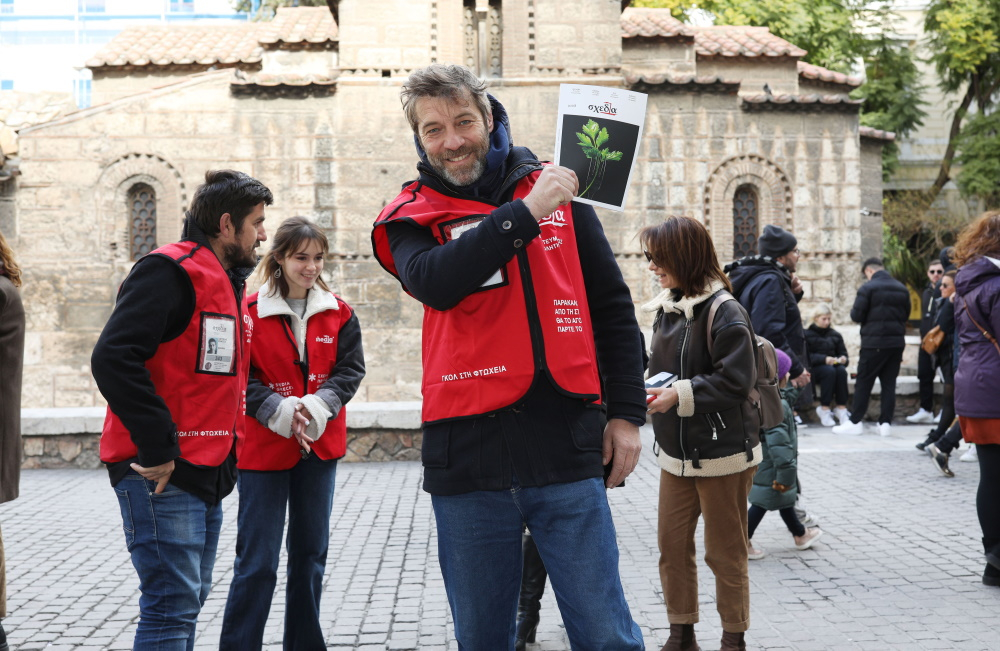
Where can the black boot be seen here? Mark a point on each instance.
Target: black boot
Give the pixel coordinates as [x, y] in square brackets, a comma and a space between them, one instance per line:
[681, 638]
[992, 548]
[3, 639]
[533, 577]
[732, 642]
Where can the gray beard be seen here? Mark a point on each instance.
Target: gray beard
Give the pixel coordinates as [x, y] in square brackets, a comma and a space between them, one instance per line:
[476, 173]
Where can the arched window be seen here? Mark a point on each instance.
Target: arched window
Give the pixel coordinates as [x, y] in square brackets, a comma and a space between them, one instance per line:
[745, 204]
[142, 210]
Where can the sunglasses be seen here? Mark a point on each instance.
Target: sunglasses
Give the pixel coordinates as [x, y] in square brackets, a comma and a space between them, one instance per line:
[649, 258]
[936, 272]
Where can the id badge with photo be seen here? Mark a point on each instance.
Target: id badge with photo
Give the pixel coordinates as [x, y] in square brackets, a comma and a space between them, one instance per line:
[217, 348]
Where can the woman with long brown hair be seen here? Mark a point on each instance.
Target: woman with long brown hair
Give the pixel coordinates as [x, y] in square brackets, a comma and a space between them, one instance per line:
[306, 363]
[11, 364]
[977, 320]
[707, 431]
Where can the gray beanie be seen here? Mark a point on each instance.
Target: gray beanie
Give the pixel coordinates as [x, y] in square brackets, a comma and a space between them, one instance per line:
[775, 241]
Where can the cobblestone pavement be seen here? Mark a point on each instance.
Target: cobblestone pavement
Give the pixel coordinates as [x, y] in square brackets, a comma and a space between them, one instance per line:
[899, 565]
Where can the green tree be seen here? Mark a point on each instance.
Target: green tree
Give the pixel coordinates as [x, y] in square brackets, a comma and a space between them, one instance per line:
[841, 35]
[979, 155]
[266, 8]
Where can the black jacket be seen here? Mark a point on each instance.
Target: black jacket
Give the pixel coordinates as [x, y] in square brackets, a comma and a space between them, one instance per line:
[927, 297]
[823, 343]
[882, 307]
[714, 430]
[764, 288]
[155, 304]
[546, 437]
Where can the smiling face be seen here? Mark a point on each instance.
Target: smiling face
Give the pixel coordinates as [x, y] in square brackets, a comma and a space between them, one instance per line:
[664, 277]
[947, 287]
[302, 268]
[454, 136]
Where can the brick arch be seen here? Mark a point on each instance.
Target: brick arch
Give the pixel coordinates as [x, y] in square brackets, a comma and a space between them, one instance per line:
[113, 217]
[774, 194]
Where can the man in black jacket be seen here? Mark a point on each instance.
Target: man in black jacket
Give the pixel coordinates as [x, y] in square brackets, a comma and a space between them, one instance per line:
[522, 298]
[925, 362]
[767, 287]
[882, 307]
[170, 430]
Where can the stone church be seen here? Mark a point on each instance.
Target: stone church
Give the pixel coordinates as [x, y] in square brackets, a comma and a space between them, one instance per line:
[739, 133]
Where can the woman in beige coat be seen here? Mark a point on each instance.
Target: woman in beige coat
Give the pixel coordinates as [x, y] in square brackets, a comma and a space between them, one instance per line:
[11, 358]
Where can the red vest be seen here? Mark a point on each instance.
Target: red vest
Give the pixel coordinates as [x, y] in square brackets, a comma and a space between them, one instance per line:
[274, 361]
[478, 356]
[201, 375]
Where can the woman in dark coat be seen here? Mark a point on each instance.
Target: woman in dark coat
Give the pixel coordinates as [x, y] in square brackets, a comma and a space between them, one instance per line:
[828, 359]
[977, 318]
[707, 430]
[11, 360]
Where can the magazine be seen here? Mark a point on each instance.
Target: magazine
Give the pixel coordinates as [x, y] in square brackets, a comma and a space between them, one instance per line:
[597, 136]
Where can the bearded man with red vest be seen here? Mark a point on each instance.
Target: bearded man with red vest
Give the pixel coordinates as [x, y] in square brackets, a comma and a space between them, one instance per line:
[172, 362]
[532, 366]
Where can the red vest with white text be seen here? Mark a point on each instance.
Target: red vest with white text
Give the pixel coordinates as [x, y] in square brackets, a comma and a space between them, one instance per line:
[478, 356]
[275, 359]
[201, 375]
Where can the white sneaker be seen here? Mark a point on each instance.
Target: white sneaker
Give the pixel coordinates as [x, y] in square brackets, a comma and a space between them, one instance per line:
[825, 417]
[754, 553]
[970, 454]
[842, 415]
[849, 429]
[884, 429]
[922, 416]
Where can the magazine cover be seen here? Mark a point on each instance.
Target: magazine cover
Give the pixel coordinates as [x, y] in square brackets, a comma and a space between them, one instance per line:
[597, 136]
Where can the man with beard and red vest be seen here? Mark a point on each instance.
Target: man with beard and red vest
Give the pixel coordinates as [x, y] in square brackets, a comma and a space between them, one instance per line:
[175, 401]
[532, 367]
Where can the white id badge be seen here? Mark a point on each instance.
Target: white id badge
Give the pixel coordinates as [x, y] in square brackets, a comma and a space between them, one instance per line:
[217, 351]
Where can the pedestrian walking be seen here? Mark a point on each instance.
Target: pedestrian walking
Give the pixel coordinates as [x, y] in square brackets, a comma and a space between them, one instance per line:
[706, 429]
[11, 366]
[828, 359]
[925, 361]
[305, 366]
[977, 315]
[944, 438]
[522, 295]
[174, 410]
[882, 307]
[775, 484]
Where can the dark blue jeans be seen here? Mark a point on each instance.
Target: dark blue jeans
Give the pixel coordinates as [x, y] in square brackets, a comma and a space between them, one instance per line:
[479, 548]
[172, 538]
[307, 490]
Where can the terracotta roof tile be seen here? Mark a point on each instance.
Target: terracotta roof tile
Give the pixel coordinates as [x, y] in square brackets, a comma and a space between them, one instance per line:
[730, 41]
[300, 25]
[660, 79]
[810, 102]
[641, 22]
[261, 79]
[181, 45]
[817, 73]
[877, 134]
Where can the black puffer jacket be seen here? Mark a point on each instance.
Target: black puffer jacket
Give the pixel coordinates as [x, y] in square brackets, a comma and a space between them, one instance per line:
[764, 288]
[882, 307]
[823, 343]
[714, 430]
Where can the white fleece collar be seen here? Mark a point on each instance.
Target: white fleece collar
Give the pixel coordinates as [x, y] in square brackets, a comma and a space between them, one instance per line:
[318, 300]
[665, 300]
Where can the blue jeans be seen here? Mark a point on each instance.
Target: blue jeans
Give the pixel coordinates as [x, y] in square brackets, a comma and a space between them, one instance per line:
[307, 490]
[172, 538]
[479, 548]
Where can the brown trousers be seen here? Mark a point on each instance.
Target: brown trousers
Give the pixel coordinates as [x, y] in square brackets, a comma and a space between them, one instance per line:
[723, 503]
[3, 580]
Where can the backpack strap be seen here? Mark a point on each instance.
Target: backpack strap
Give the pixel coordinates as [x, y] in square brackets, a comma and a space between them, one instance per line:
[716, 304]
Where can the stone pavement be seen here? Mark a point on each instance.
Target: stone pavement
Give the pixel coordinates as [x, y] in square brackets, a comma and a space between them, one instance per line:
[898, 568]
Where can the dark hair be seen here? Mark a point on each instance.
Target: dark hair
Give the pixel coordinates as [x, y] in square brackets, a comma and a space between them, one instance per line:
[8, 266]
[951, 273]
[684, 249]
[452, 82]
[292, 235]
[933, 262]
[873, 263]
[226, 191]
[980, 238]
